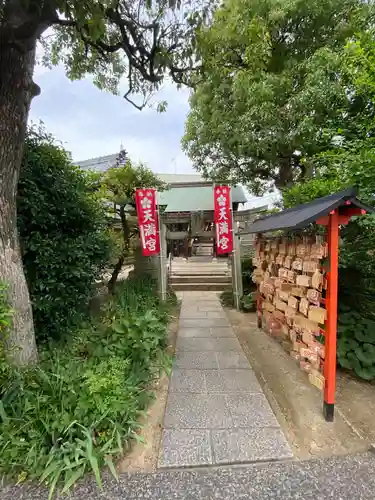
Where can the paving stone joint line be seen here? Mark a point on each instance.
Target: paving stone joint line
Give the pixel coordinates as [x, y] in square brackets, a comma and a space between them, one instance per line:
[216, 411]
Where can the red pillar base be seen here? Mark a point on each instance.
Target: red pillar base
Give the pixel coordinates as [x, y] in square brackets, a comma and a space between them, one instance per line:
[328, 411]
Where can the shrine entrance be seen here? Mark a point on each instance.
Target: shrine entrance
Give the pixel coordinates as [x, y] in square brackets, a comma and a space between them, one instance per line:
[190, 235]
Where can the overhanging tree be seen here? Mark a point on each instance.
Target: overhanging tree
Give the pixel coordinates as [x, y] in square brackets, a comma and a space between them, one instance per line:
[271, 80]
[120, 183]
[140, 39]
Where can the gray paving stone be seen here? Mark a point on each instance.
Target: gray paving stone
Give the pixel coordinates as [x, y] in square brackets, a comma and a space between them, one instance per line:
[181, 448]
[232, 381]
[251, 410]
[232, 359]
[216, 314]
[195, 344]
[196, 360]
[219, 332]
[212, 307]
[203, 322]
[187, 381]
[226, 345]
[222, 331]
[187, 333]
[194, 314]
[202, 300]
[249, 445]
[208, 344]
[197, 411]
[216, 411]
[192, 310]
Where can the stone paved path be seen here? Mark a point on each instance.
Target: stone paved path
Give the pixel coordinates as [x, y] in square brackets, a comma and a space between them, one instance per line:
[216, 411]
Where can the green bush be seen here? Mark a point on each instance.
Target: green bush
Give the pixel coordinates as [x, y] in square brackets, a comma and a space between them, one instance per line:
[247, 268]
[227, 297]
[5, 322]
[248, 300]
[356, 343]
[63, 235]
[79, 409]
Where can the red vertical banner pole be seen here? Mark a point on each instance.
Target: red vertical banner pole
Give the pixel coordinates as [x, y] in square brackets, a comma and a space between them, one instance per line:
[259, 295]
[331, 323]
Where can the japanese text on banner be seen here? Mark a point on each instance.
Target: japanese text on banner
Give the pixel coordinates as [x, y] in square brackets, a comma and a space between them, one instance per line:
[223, 219]
[148, 221]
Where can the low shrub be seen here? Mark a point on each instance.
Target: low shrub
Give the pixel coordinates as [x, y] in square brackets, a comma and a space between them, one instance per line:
[247, 269]
[78, 410]
[356, 343]
[248, 300]
[227, 297]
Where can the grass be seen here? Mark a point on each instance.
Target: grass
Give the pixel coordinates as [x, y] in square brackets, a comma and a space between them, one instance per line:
[78, 410]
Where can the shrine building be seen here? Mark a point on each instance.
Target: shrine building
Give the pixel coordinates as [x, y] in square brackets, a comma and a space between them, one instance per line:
[187, 209]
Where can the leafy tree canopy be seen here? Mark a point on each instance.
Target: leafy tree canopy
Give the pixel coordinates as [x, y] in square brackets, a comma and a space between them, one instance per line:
[272, 81]
[121, 181]
[119, 184]
[144, 40]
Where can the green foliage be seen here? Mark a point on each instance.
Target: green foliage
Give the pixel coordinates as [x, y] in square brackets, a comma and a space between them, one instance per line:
[304, 192]
[119, 184]
[63, 235]
[247, 269]
[356, 343]
[248, 300]
[158, 42]
[275, 80]
[79, 409]
[6, 314]
[121, 181]
[227, 297]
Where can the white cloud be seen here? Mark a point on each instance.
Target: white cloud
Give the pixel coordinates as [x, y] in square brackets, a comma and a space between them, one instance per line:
[92, 123]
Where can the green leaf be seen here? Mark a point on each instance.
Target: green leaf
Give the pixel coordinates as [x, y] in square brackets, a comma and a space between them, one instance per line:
[56, 477]
[72, 479]
[109, 462]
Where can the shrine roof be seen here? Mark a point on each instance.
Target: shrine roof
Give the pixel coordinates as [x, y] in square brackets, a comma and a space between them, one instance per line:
[302, 215]
[195, 198]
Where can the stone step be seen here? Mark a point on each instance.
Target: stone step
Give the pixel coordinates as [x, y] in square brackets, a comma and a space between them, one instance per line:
[200, 270]
[213, 278]
[193, 275]
[196, 286]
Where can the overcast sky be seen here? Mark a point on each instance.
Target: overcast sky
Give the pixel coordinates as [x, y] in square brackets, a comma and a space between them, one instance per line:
[92, 123]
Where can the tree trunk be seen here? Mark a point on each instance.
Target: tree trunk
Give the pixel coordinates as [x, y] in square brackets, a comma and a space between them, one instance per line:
[285, 173]
[16, 91]
[126, 237]
[116, 271]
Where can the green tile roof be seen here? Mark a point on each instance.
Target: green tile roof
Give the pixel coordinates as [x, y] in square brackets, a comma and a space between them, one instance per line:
[195, 198]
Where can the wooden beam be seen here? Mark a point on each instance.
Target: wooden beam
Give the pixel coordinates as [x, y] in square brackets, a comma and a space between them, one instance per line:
[331, 323]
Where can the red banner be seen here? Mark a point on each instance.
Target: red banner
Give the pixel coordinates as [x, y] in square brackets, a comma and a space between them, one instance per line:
[145, 200]
[223, 219]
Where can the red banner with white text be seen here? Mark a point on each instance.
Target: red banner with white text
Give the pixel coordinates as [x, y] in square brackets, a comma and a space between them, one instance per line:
[145, 200]
[223, 219]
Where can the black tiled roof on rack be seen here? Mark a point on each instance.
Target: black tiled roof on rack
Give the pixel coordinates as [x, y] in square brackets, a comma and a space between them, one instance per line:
[302, 215]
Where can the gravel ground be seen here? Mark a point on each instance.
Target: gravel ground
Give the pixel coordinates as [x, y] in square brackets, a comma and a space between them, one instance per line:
[340, 478]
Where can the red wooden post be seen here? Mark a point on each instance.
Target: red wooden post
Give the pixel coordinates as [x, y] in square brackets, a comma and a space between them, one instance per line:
[259, 308]
[331, 323]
